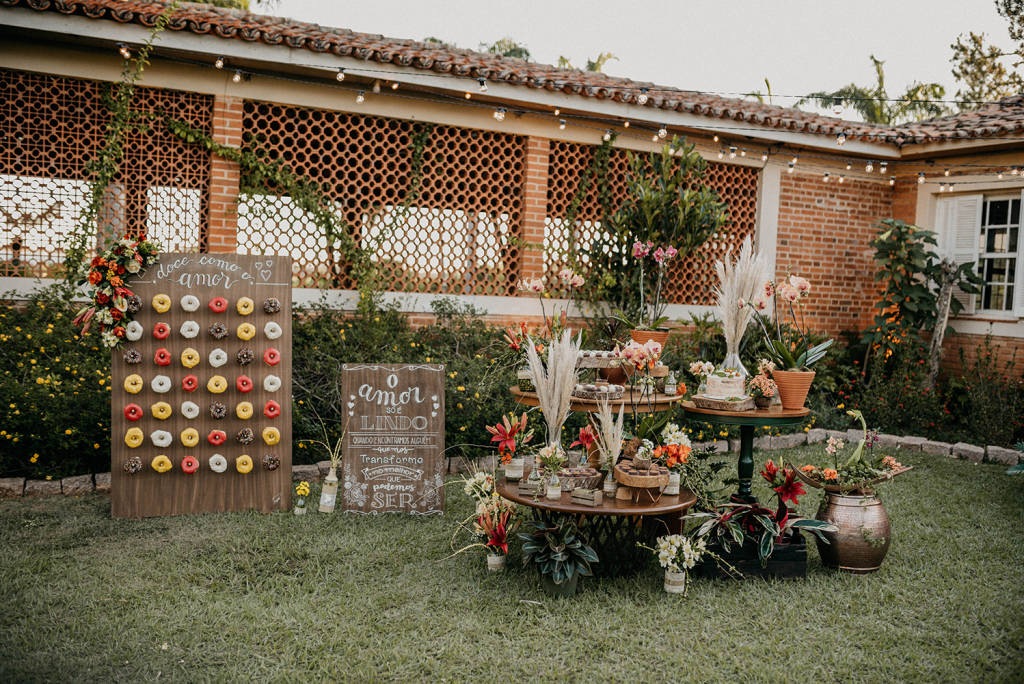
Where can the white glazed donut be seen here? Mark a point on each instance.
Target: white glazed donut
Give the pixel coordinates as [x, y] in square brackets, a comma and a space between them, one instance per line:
[189, 410]
[189, 329]
[272, 330]
[161, 384]
[218, 463]
[272, 383]
[134, 331]
[218, 357]
[161, 439]
[189, 303]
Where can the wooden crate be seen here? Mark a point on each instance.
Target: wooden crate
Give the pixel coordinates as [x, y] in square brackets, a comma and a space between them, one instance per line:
[788, 561]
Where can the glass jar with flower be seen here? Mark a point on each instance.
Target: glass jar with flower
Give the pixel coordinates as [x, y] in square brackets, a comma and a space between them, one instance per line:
[701, 370]
[301, 492]
[552, 457]
[673, 456]
[511, 437]
[678, 554]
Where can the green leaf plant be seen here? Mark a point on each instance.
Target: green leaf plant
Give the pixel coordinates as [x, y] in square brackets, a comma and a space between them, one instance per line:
[559, 551]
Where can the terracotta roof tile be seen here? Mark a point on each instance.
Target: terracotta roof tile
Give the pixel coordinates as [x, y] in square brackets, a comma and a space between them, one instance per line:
[1006, 117]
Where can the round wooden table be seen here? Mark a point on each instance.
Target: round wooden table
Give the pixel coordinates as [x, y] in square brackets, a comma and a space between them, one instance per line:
[614, 528]
[747, 420]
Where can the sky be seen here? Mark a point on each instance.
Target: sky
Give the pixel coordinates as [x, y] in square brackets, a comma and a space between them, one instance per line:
[800, 46]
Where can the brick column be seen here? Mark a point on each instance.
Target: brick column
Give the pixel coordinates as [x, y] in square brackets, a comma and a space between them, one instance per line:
[535, 205]
[224, 177]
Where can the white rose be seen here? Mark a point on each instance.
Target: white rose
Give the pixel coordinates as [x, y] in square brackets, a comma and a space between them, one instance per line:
[132, 267]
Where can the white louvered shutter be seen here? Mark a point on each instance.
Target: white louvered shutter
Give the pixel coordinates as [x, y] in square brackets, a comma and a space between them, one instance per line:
[958, 222]
[1018, 286]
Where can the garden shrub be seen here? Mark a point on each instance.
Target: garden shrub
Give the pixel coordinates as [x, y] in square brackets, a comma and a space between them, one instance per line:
[987, 404]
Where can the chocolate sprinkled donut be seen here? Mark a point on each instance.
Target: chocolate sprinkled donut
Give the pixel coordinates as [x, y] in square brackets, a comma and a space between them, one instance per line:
[218, 411]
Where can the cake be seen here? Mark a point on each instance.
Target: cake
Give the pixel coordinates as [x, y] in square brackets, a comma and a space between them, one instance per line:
[725, 384]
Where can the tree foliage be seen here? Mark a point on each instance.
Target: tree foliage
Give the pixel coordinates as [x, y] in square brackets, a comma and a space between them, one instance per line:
[506, 47]
[596, 64]
[979, 67]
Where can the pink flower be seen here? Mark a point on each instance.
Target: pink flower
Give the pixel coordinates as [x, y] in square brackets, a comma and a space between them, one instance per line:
[535, 285]
[653, 348]
[788, 293]
[760, 304]
[742, 303]
[565, 275]
[801, 285]
[577, 280]
[769, 290]
[670, 252]
[659, 255]
[641, 250]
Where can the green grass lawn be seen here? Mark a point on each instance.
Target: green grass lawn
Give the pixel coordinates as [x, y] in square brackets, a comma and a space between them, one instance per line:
[256, 598]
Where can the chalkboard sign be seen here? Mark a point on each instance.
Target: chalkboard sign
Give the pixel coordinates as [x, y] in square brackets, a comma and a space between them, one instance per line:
[206, 382]
[394, 446]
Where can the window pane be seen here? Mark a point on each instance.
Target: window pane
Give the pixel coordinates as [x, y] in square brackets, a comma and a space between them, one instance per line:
[998, 212]
[996, 241]
[996, 301]
[995, 270]
[1011, 268]
[1009, 298]
[1015, 212]
[1012, 246]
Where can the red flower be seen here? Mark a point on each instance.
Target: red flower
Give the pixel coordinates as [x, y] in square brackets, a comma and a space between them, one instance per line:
[513, 338]
[95, 277]
[116, 314]
[769, 472]
[505, 435]
[120, 270]
[102, 298]
[116, 282]
[119, 331]
[790, 489]
[587, 437]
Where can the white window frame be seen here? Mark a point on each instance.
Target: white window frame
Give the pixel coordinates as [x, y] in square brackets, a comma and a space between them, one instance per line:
[1015, 305]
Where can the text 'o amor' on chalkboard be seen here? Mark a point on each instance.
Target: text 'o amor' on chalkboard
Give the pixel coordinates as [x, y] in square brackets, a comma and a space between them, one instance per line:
[394, 445]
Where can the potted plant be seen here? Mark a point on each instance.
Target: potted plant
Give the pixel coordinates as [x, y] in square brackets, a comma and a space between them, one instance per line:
[679, 554]
[510, 438]
[552, 457]
[792, 353]
[560, 553]
[329, 491]
[301, 492]
[648, 327]
[673, 454]
[497, 521]
[761, 387]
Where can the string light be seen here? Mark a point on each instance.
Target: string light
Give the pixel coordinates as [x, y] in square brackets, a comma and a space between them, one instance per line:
[499, 113]
[743, 153]
[870, 166]
[341, 74]
[561, 124]
[1015, 171]
[892, 180]
[654, 138]
[732, 152]
[951, 187]
[662, 132]
[881, 169]
[483, 84]
[764, 156]
[607, 136]
[837, 107]
[942, 187]
[642, 97]
[123, 49]
[394, 86]
[842, 178]
[825, 179]
[671, 150]
[360, 98]
[841, 139]
[999, 175]
[795, 160]
[557, 112]
[716, 138]
[947, 172]
[849, 166]
[376, 86]
[237, 78]
[920, 178]
[721, 153]
[625, 124]
[469, 96]
[790, 169]
[220, 62]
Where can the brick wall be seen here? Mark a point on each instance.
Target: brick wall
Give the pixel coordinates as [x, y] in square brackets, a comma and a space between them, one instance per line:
[227, 130]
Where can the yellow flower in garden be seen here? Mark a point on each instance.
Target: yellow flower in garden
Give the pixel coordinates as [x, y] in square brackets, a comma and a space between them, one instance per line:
[461, 388]
[101, 381]
[463, 428]
[841, 406]
[428, 359]
[33, 362]
[39, 381]
[49, 477]
[67, 432]
[95, 446]
[48, 331]
[18, 329]
[459, 405]
[35, 457]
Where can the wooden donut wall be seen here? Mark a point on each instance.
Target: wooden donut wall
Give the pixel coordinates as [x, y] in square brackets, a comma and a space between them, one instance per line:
[175, 492]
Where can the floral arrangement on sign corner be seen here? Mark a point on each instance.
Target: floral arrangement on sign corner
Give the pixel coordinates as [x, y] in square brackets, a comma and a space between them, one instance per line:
[655, 318]
[114, 305]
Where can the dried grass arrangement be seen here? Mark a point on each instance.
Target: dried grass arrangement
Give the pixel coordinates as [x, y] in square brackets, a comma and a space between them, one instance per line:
[556, 382]
[739, 282]
[609, 434]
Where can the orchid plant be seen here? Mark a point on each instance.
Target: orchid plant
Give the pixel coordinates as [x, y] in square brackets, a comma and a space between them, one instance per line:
[661, 256]
[783, 348]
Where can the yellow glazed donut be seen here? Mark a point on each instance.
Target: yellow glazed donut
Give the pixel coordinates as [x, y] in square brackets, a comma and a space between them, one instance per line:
[189, 357]
[246, 331]
[161, 410]
[243, 463]
[162, 303]
[133, 383]
[217, 384]
[134, 437]
[245, 306]
[190, 437]
[161, 464]
[271, 436]
[244, 410]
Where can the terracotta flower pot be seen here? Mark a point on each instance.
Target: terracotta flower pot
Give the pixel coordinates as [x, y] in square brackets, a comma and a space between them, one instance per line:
[793, 387]
[641, 336]
[614, 376]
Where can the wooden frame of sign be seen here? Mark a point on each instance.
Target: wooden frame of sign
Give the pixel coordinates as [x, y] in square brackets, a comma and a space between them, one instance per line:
[394, 443]
[175, 492]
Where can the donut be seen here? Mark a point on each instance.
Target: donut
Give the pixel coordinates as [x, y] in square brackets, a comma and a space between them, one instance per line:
[190, 303]
[162, 357]
[189, 465]
[189, 383]
[272, 357]
[218, 411]
[161, 438]
[217, 384]
[162, 303]
[218, 305]
[134, 304]
[243, 384]
[271, 383]
[189, 409]
[271, 306]
[271, 436]
[244, 436]
[133, 438]
[218, 357]
[243, 464]
[218, 463]
[133, 465]
[161, 464]
[272, 330]
[218, 331]
[132, 357]
[161, 384]
[272, 409]
[244, 410]
[189, 329]
[271, 461]
[133, 412]
[134, 331]
[189, 358]
[217, 437]
[190, 437]
[244, 356]
[245, 331]
[161, 331]
[245, 306]
[161, 410]
[133, 384]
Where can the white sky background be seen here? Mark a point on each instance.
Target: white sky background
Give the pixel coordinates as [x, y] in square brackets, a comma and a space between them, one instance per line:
[726, 46]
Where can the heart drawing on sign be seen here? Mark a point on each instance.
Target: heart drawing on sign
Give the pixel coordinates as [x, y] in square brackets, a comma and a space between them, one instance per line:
[265, 274]
[436, 406]
[433, 414]
[258, 265]
[352, 397]
[351, 413]
[433, 398]
[351, 404]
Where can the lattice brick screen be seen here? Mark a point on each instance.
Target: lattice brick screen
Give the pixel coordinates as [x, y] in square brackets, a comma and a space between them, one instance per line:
[454, 239]
[691, 280]
[50, 128]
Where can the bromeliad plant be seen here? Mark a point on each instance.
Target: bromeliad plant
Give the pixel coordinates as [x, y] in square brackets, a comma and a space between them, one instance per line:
[737, 522]
[559, 551]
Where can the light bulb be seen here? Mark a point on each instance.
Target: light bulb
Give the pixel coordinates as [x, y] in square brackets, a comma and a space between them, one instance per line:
[892, 180]
[796, 159]
[376, 86]
[764, 156]
[841, 139]
[125, 52]
[920, 178]
[999, 175]
[721, 153]
[557, 112]
[625, 124]
[870, 167]
[743, 153]
[716, 138]
[561, 124]
[946, 172]
[394, 86]
[662, 132]
[340, 75]
[842, 178]
[951, 187]
[826, 177]
[219, 63]
[837, 107]
[469, 96]
[882, 168]
[483, 84]
[671, 150]
[607, 136]
[642, 97]
[848, 166]
[654, 138]
[732, 152]
[499, 114]
[942, 187]
[790, 169]
[237, 78]
[1014, 172]
[359, 98]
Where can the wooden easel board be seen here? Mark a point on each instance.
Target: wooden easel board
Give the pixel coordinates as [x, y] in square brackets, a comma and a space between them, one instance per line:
[394, 443]
[206, 276]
